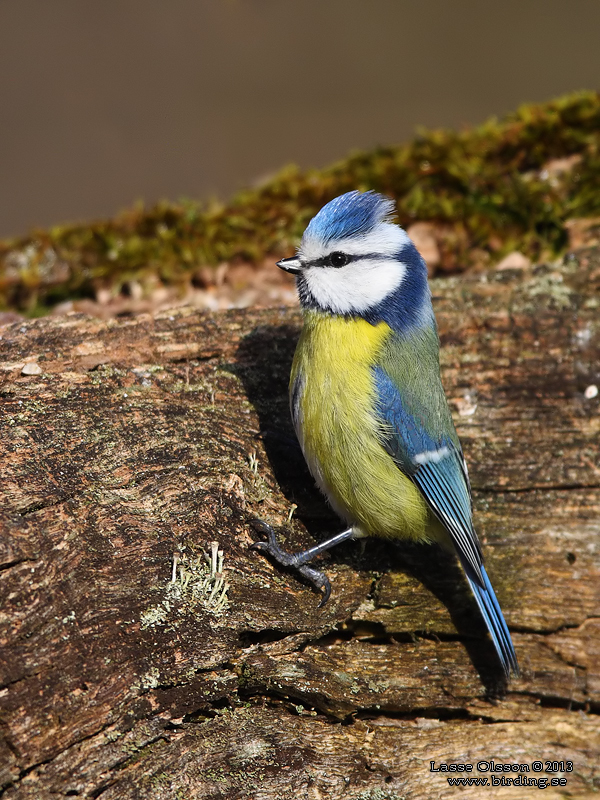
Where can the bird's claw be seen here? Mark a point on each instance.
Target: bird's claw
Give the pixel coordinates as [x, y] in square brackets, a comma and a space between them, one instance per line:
[319, 580]
[272, 548]
[293, 560]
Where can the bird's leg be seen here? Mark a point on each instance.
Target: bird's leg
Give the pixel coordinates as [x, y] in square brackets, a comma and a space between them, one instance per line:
[300, 560]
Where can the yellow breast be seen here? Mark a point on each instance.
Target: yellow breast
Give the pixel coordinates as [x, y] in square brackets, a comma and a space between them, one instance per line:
[338, 431]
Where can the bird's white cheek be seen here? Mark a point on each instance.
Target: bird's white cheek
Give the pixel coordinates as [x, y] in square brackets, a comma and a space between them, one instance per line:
[356, 287]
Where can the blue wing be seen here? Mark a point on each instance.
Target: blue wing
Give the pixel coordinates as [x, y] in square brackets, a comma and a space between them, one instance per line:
[430, 455]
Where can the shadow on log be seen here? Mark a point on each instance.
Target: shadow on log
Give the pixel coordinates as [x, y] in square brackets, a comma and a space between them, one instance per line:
[138, 661]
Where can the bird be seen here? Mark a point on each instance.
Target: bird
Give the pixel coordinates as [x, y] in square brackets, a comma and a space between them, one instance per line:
[367, 400]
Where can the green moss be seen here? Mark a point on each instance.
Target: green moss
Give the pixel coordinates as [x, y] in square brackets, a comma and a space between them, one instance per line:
[488, 186]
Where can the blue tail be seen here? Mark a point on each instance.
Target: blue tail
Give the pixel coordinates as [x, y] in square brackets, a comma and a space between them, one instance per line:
[491, 613]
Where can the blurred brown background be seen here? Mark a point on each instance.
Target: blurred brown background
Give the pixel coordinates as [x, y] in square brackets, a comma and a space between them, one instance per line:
[103, 103]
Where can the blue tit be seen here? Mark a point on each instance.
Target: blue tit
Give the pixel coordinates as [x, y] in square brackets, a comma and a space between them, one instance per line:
[367, 400]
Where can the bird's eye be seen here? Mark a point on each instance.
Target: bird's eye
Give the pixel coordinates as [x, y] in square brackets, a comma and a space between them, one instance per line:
[338, 259]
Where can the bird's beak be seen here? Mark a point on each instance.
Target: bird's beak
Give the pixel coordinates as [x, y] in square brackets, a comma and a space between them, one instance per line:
[293, 265]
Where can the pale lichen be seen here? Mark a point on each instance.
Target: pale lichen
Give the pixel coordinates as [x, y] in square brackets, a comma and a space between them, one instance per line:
[253, 462]
[196, 582]
[549, 289]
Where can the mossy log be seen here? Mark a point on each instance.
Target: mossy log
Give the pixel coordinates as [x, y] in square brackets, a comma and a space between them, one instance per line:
[134, 664]
[529, 182]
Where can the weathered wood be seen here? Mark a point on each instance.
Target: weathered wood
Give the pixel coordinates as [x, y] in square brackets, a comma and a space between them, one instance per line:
[146, 439]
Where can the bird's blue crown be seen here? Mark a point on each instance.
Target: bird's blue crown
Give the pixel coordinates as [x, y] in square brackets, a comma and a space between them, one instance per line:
[350, 215]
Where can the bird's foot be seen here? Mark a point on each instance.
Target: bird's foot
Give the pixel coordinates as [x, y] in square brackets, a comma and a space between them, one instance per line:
[295, 561]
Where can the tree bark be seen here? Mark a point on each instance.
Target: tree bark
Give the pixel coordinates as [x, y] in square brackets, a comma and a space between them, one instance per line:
[134, 664]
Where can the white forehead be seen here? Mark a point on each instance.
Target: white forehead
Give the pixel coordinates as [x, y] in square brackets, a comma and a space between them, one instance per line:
[385, 239]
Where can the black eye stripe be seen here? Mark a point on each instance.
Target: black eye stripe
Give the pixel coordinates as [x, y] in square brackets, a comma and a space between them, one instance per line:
[325, 261]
